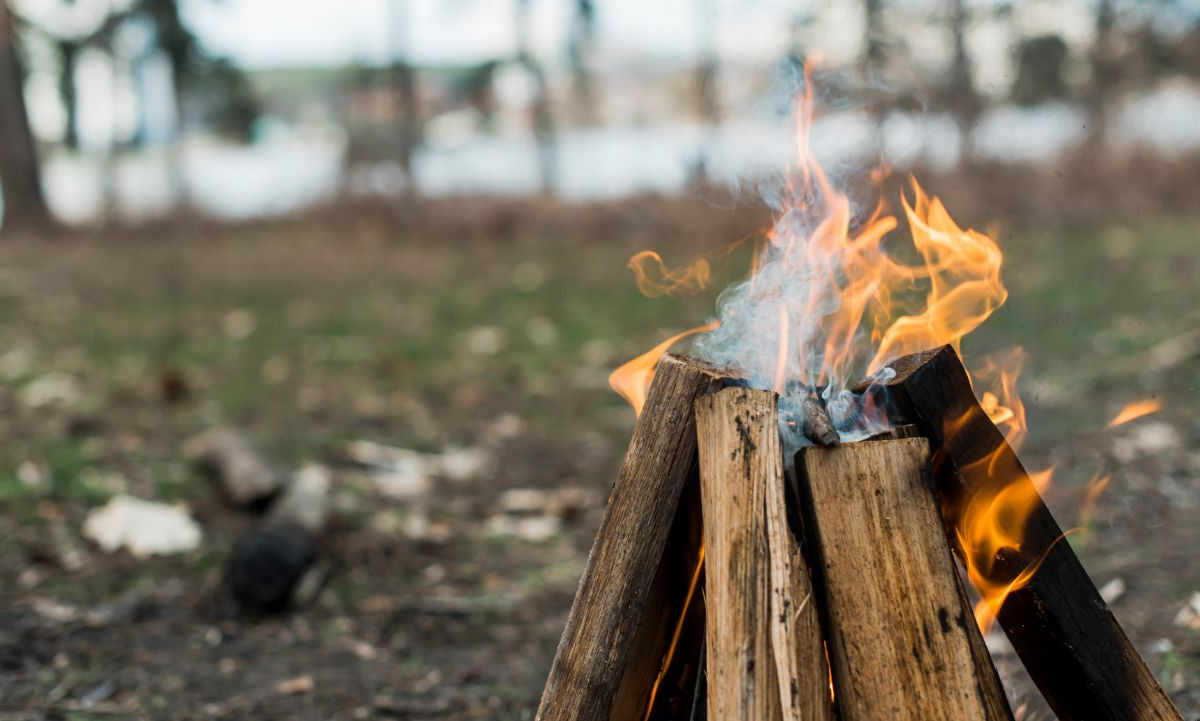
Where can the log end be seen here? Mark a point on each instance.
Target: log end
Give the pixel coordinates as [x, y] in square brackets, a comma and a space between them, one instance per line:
[905, 366]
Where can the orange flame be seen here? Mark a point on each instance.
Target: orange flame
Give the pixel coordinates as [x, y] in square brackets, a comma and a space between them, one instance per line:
[963, 269]
[670, 654]
[1135, 410]
[827, 299]
[1002, 403]
[632, 380]
[1095, 489]
[655, 279]
[829, 670]
[992, 523]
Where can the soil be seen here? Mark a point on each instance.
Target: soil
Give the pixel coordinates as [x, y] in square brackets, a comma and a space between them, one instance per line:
[475, 330]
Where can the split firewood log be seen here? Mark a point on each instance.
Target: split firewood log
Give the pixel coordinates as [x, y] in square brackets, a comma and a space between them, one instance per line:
[634, 588]
[902, 642]
[267, 564]
[766, 659]
[1072, 646]
[244, 474]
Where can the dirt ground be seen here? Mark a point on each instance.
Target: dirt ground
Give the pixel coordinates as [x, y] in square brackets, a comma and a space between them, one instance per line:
[479, 334]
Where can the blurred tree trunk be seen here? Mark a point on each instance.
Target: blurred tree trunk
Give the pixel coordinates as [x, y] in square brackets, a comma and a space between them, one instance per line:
[20, 183]
[68, 55]
[182, 51]
[708, 105]
[112, 158]
[543, 121]
[962, 98]
[405, 81]
[579, 49]
[873, 58]
[1105, 72]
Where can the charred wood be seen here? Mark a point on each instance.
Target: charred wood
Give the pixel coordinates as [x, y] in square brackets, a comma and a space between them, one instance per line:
[1068, 639]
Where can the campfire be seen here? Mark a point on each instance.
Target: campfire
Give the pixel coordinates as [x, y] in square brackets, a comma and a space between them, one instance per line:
[785, 535]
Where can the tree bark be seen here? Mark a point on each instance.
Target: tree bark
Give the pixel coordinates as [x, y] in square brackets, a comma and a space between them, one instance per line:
[20, 182]
[1072, 646]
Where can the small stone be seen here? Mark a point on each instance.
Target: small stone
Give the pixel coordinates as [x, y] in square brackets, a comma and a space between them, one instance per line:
[292, 686]
[1112, 590]
[238, 324]
[146, 528]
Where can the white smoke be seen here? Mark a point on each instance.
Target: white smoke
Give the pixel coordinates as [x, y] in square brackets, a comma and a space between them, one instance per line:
[775, 324]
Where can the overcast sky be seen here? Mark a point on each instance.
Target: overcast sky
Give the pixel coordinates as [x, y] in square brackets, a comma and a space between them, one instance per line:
[270, 33]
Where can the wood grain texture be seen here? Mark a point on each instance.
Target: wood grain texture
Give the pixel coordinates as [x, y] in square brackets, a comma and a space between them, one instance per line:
[795, 622]
[1068, 639]
[607, 612]
[738, 443]
[903, 642]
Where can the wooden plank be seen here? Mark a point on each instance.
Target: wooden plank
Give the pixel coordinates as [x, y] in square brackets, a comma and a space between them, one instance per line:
[596, 644]
[738, 443]
[903, 643]
[1072, 646]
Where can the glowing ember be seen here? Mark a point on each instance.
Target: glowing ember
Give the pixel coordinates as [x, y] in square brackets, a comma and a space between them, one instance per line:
[1135, 410]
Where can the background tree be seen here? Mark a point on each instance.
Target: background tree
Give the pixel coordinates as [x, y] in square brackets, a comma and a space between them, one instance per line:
[404, 80]
[580, 42]
[1041, 65]
[543, 121]
[958, 92]
[20, 182]
[708, 102]
[1105, 66]
[873, 59]
[68, 55]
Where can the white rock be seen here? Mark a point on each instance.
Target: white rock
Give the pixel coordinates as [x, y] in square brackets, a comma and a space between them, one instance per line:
[238, 324]
[1146, 439]
[55, 611]
[56, 387]
[537, 528]
[460, 464]
[1112, 590]
[485, 340]
[1162, 645]
[405, 482]
[144, 527]
[524, 500]
[15, 363]
[405, 473]
[534, 528]
[1189, 615]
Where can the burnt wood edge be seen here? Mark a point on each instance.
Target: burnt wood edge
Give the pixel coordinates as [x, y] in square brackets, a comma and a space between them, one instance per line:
[1068, 639]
